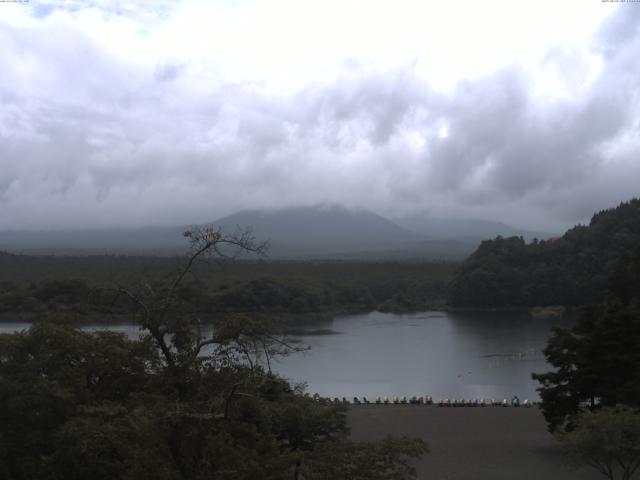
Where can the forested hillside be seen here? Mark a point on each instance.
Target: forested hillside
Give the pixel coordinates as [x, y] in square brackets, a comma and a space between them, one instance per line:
[570, 270]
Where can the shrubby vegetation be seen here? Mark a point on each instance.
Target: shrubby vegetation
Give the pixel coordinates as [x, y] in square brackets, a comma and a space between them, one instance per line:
[174, 404]
[607, 440]
[75, 405]
[571, 270]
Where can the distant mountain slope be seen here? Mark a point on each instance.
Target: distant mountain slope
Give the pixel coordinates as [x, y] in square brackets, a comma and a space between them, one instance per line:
[570, 270]
[425, 224]
[295, 232]
[146, 241]
[304, 232]
[321, 229]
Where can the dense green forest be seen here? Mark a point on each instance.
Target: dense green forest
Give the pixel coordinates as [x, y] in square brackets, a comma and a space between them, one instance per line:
[36, 285]
[77, 405]
[591, 397]
[571, 270]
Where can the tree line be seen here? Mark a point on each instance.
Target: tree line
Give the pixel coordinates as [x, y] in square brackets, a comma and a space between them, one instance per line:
[571, 270]
[40, 285]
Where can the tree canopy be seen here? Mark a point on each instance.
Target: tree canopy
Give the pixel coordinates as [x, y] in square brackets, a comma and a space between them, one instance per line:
[607, 440]
[569, 270]
[597, 362]
[174, 404]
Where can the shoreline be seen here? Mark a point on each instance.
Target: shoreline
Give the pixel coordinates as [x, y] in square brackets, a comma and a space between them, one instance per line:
[470, 443]
[295, 319]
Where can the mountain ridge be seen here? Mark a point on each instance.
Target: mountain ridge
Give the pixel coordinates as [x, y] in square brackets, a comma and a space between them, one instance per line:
[301, 232]
[472, 228]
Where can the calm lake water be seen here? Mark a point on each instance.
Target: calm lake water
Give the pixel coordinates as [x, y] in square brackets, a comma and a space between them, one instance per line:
[452, 355]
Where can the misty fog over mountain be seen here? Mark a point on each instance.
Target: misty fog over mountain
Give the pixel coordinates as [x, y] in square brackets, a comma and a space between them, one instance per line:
[314, 232]
[169, 113]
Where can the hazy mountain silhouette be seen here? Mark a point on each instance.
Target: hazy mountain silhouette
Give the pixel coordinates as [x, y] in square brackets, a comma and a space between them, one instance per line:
[320, 228]
[302, 232]
[145, 240]
[464, 228]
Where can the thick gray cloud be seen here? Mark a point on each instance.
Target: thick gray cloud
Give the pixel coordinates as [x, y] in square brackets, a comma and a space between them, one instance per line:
[89, 139]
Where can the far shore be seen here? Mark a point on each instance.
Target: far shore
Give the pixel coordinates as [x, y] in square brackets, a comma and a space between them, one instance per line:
[295, 319]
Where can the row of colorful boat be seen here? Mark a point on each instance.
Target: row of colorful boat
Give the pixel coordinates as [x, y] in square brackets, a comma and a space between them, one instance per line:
[428, 400]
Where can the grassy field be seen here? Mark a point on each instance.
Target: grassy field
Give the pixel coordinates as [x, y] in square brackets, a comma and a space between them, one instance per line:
[471, 443]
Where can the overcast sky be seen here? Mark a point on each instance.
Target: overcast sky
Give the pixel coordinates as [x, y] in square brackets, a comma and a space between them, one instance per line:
[151, 112]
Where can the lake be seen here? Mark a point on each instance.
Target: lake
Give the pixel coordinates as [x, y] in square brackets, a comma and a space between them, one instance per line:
[445, 355]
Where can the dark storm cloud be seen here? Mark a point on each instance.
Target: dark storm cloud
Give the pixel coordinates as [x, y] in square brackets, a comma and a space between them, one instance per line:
[89, 140]
[372, 108]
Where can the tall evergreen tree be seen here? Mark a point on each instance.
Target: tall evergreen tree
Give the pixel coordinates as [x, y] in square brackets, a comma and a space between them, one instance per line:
[597, 362]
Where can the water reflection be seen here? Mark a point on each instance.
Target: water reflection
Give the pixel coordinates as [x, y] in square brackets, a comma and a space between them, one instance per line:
[470, 355]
